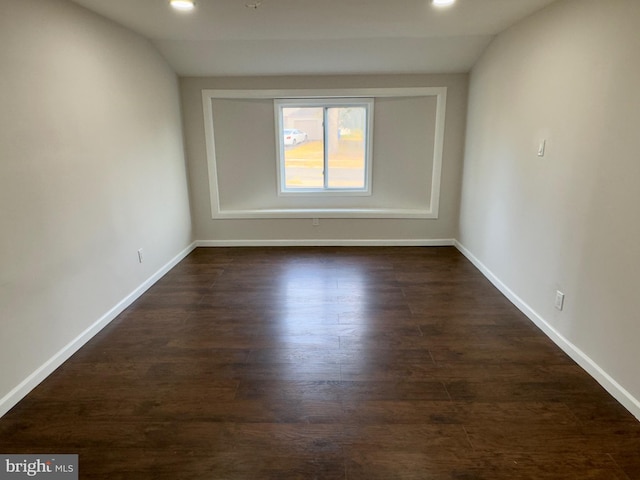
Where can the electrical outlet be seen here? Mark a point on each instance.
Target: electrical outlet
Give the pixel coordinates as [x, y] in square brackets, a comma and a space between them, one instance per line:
[140, 256]
[559, 303]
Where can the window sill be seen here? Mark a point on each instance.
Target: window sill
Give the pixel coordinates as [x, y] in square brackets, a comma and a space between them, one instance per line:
[325, 213]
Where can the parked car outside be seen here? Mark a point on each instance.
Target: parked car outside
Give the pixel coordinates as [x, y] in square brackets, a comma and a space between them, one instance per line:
[293, 136]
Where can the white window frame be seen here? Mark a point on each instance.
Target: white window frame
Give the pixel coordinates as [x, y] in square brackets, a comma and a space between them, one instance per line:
[325, 103]
[220, 212]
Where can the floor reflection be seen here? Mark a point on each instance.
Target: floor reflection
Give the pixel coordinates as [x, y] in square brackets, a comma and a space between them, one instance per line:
[312, 299]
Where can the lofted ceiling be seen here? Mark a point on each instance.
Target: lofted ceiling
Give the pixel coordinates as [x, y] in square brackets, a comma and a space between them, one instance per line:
[296, 37]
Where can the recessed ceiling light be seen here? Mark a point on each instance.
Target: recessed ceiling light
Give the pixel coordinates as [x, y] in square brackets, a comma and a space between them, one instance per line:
[183, 5]
[443, 3]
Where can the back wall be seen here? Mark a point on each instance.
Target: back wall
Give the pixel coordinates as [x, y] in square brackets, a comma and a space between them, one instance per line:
[330, 230]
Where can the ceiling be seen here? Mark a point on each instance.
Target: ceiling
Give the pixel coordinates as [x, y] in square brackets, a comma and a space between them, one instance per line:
[296, 37]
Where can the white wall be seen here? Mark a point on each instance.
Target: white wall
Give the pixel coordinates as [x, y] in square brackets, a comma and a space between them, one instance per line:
[568, 221]
[91, 169]
[330, 229]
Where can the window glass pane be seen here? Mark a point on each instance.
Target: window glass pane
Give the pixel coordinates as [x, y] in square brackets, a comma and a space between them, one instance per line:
[303, 139]
[324, 146]
[346, 146]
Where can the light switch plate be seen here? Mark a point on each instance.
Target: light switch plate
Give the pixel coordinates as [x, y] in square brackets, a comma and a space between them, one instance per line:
[559, 303]
[541, 148]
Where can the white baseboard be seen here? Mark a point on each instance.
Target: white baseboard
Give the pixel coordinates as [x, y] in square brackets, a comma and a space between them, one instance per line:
[592, 368]
[19, 392]
[328, 243]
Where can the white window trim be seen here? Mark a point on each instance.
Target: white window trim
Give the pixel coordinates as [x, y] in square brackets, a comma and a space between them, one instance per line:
[280, 103]
[219, 213]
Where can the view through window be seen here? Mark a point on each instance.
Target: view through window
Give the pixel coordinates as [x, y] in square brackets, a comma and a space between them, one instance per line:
[325, 145]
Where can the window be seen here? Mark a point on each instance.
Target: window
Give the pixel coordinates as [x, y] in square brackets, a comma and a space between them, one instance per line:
[324, 146]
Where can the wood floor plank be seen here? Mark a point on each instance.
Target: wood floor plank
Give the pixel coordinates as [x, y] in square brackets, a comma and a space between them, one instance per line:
[326, 363]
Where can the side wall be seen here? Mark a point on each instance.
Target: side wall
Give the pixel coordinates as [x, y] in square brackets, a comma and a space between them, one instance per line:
[91, 169]
[330, 230]
[567, 221]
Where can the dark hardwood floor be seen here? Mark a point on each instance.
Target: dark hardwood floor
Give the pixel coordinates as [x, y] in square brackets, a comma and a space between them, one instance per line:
[326, 363]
